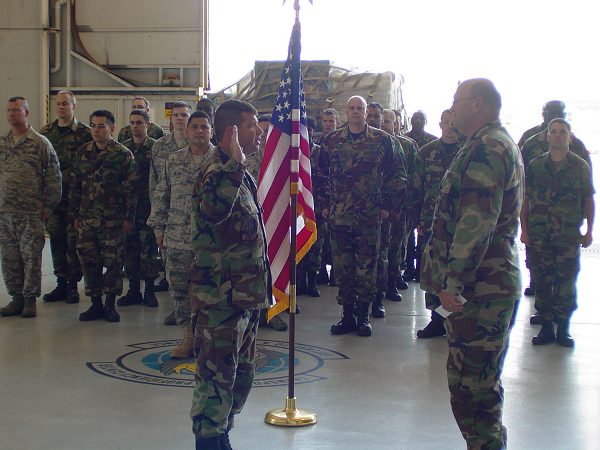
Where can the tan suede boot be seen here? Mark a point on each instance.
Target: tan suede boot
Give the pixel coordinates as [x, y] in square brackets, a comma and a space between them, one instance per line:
[185, 349]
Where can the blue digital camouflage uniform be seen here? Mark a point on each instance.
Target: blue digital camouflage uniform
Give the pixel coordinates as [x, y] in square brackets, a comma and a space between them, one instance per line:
[229, 282]
[140, 243]
[30, 183]
[472, 252]
[102, 196]
[556, 198]
[66, 141]
[363, 176]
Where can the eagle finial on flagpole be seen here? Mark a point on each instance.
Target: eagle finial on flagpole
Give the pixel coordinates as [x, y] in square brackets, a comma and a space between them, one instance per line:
[297, 4]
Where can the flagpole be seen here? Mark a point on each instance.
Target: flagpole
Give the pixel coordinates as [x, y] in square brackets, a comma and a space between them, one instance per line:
[290, 416]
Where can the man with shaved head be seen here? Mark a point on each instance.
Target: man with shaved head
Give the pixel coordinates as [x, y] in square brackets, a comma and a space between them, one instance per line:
[471, 262]
[361, 164]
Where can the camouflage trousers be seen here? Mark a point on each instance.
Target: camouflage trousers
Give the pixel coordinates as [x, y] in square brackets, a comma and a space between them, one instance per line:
[63, 245]
[225, 349]
[555, 269]
[178, 263]
[101, 248]
[312, 260]
[432, 301]
[21, 244]
[477, 341]
[397, 250]
[355, 251]
[382, 260]
[141, 254]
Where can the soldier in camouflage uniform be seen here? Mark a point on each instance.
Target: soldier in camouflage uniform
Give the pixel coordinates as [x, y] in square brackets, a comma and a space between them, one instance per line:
[306, 279]
[160, 151]
[398, 234]
[330, 120]
[230, 278]
[472, 253]
[432, 162]
[102, 205]
[154, 131]
[66, 134]
[171, 216]
[375, 115]
[361, 163]
[30, 188]
[140, 244]
[558, 195]
[533, 144]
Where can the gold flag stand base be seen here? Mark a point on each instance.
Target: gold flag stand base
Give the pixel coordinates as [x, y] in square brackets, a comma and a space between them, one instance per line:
[290, 416]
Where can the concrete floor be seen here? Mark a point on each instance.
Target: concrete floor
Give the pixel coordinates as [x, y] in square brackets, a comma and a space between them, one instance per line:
[67, 385]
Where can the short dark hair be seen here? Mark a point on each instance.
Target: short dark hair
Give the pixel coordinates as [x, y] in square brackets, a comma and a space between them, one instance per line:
[230, 113]
[376, 105]
[144, 99]
[311, 122]
[264, 118]
[487, 91]
[331, 112]
[446, 111]
[103, 113]
[199, 114]
[206, 103]
[561, 121]
[181, 104]
[24, 101]
[139, 112]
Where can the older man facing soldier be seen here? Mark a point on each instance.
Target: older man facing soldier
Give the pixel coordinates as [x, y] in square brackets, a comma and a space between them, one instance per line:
[154, 131]
[472, 255]
[66, 134]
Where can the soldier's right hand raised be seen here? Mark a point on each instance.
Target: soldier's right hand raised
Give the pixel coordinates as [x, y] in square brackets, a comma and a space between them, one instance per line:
[231, 145]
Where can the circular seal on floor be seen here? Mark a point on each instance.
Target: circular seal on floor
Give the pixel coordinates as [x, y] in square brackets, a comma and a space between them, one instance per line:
[150, 363]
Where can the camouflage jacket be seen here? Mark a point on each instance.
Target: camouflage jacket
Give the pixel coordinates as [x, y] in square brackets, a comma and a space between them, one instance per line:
[421, 140]
[320, 183]
[172, 199]
[162, 148]
[410, 150]
[432, 162]
[366, 176]
[556, 199]
[102, 189]
[254, 161]
[537, 145]
[472, 250]
[65, 145]
[143, 161]
[30, 179]
[228, 237]
[154, 131]
[531, 132]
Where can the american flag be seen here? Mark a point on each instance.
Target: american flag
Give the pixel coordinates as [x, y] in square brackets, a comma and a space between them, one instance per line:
[286, 162]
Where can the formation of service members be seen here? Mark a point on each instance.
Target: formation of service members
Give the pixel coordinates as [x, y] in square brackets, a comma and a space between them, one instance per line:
[109, 205]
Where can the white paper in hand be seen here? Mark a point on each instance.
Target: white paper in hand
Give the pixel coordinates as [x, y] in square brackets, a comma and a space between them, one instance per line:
[444, 312]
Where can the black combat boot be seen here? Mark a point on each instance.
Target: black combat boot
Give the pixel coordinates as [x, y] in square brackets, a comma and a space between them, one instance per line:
[348, 322]
[323, 277]
[133, 296]
[94, 312]
[149, 296]
[377, 308]
[562, 334]
[59, 294]
[393, 293]
[434, 328]
[225, 444]
[530, 290]
[401, 284]
[72, 292]
[535, 319]
[301, 287]
[546, 334]
[311, 286]
[210, 443]
[363, 327]
[162, 285]
[110, 313]
[332, 282]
